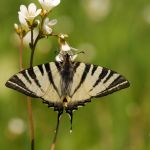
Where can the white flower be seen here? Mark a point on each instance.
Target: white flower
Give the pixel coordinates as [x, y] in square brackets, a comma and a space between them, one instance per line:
[29, 13]
[60, 56]
[47, 25]
[27, 37]
[49, 4]
[65, 47]
[23, 23]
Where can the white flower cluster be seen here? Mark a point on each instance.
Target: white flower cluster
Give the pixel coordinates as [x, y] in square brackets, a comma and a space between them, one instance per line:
[28, 15]
[28, 22]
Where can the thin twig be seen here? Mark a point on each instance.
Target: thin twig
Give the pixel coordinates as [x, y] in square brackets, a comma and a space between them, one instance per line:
[55, 137]
[31, 125]
[29, 104]
[20, 54]
[32, 48]
[56, 132]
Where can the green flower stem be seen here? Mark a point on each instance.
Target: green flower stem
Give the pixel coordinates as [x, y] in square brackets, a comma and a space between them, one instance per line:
[29, 103]
[31, 124]
[32, 47]
[56, 133]
[29, 106]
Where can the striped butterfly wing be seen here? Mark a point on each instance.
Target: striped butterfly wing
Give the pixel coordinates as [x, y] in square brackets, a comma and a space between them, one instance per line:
[41, 81]
[91, 81]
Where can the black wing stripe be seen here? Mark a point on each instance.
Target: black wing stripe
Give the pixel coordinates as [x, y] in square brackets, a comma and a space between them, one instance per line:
[19, 88]
[109, 76]
[94, 69]
[58, 65]
[50, 77]
[118, 80]
[118, 87]
[18, 85]
[41, 69]
[76, 65]
[33, 76]
[86, 71]
[101, 76]
[26, 76]
[15, 79]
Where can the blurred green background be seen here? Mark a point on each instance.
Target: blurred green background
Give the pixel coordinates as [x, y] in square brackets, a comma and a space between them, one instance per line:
[114, 34]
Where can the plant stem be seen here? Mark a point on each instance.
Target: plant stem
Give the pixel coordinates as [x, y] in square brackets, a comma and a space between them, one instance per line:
[31, 125]
[32, 48]
[29, 104]
[55, 137]
[20, 54]
[56, 132]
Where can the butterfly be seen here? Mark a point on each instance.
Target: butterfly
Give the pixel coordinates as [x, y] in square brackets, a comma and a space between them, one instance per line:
[67, 84]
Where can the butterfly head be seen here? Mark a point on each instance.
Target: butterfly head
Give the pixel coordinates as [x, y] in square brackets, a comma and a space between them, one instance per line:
[66, 56]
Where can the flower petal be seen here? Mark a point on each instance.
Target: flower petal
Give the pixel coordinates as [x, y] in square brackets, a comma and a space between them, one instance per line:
[46, 21]
[22, 19]
[21, 14]
[23, 10]
[55, 2]
[23, 22]
[44, 5]
[65, 47]
[48, 30]
[49, 4]
[38, 12]
[41, 1]
[32, 9]
[52, 22]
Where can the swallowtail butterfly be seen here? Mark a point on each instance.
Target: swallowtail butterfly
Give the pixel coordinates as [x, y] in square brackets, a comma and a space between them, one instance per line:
[66, 85]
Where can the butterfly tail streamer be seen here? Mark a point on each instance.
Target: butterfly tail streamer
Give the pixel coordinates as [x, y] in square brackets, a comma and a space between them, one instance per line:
[70, 113]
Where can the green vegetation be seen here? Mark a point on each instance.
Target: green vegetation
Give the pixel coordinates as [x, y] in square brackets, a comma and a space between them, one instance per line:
[117, 38]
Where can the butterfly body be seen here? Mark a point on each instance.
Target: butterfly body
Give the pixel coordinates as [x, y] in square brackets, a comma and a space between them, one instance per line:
[66, 73]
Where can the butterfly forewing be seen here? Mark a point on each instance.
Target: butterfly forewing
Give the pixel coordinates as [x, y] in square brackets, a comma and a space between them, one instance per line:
[53, 92]
[40, 81]
[95, 81]
[79, 81]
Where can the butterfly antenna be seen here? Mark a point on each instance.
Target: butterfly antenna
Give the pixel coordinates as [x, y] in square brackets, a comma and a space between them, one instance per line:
[56, 130]
[76, 50]
[81, 52]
